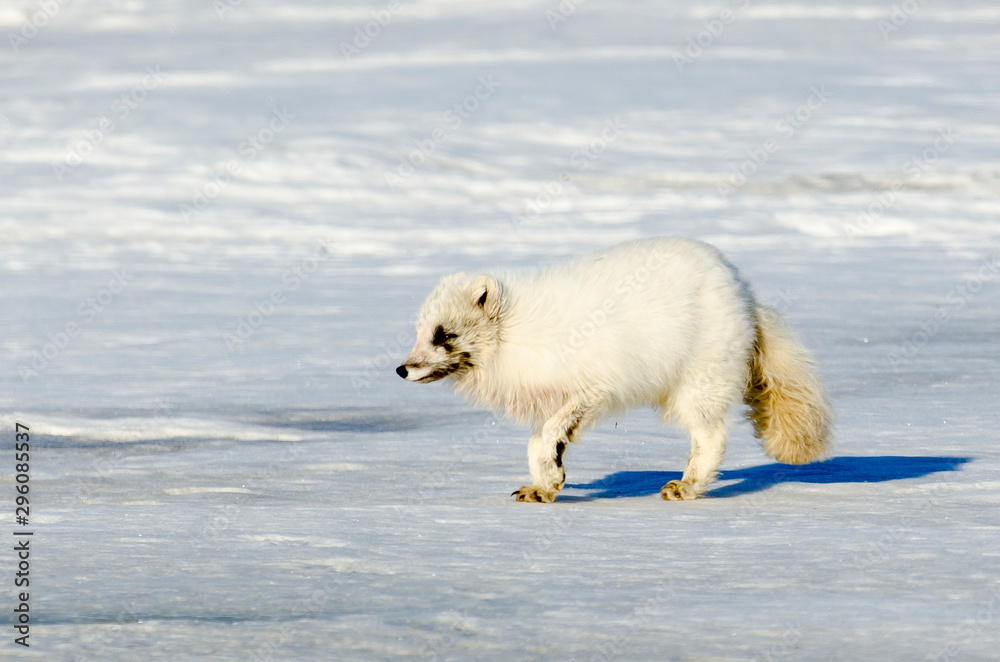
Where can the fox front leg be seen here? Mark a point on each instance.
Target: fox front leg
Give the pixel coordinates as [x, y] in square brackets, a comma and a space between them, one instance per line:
[546, 466]
[545, 455]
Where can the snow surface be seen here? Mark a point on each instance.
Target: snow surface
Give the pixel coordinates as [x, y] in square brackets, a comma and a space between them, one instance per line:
[286, 496]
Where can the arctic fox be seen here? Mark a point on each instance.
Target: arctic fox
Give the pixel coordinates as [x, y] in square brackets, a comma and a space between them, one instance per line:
[666, 322]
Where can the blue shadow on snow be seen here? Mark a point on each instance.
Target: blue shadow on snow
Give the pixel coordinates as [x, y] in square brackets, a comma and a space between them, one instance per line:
[759, 478]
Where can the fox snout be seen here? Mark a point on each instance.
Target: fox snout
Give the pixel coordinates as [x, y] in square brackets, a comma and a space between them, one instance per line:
[423, 373]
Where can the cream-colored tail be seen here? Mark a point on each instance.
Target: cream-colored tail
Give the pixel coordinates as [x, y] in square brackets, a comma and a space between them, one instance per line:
[788, 407]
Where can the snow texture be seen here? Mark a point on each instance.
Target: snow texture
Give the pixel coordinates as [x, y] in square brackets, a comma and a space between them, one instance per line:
[219, 219]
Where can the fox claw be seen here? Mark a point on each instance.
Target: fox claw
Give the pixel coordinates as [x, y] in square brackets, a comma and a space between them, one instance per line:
[533, 493]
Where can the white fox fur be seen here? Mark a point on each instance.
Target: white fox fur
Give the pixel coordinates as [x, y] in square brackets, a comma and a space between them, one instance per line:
[665, 321]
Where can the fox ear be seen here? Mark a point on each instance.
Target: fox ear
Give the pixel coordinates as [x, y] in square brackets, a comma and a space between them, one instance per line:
[487, 294]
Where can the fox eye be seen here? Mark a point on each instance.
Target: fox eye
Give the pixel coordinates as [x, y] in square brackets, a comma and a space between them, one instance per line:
[442, 338]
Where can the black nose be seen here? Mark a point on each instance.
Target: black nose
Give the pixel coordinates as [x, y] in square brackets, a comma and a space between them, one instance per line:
[401, 371]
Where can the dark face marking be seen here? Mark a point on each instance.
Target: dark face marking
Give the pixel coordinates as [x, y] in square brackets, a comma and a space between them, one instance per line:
[464, 362]
[440, 373]
[442, 338]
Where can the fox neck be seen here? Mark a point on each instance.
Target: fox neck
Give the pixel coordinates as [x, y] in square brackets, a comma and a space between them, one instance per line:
[498, 380]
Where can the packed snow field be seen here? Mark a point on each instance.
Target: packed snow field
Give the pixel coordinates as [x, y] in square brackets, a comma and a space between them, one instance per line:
[218, 222]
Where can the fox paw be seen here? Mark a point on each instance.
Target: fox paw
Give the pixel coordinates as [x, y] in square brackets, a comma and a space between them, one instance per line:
[678, 490]
[533, 493]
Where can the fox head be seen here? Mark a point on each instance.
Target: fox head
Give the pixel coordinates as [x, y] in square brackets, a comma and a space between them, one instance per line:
[458, 325]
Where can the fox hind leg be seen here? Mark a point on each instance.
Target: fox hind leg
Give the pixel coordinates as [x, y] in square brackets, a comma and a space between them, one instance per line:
[708, 445]
[701, 403]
